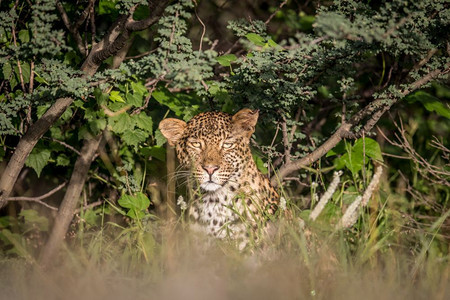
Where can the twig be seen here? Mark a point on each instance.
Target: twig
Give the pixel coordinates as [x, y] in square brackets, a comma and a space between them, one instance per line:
[396, 26]
[203, 26]
[111, 113]
[287, 144]
[73, 29]
[92, 21]
[39, 198]
[22, 84]
[31, 85]
[147, 99]
[63, 144]
[423, 61]
[88, 206]
[275, 12]
[141, 55]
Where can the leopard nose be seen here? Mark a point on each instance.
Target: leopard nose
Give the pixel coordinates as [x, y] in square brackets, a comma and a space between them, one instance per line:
[210, 169]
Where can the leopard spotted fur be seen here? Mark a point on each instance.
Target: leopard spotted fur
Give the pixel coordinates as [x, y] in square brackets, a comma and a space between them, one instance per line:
[233, 197]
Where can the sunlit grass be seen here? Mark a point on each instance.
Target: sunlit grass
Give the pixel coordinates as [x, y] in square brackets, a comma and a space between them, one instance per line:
[151, 259]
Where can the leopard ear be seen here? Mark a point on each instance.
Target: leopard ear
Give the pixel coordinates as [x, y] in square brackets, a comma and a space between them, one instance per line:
[244, 122]
[172, 129]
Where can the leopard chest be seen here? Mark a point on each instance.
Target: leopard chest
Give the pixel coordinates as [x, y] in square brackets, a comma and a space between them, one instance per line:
[217, 214]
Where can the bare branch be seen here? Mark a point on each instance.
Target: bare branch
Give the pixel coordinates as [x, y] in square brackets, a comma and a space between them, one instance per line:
[119, 34]
[40, 198]
[22, 84]
[63, 144]
[286, 143]
[203, 26]
[424, 60]
[90, 205]
[147, 100]
[275, 12]
[73, 29]
[156, 9]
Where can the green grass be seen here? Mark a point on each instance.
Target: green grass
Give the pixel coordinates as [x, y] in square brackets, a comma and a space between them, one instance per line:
[376, 259]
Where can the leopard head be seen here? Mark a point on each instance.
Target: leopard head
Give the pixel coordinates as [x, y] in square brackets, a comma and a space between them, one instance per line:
[213, 145]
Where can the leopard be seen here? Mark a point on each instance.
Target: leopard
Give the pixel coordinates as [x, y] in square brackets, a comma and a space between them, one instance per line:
[232, 198]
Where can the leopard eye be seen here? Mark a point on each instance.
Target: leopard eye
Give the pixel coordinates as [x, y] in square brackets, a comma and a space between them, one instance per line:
[196, 144]
[228, 145]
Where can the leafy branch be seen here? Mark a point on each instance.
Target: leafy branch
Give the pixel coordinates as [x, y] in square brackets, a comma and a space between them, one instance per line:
[373, 110]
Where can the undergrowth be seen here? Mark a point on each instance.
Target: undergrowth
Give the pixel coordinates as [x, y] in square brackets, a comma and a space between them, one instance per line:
[149, 258]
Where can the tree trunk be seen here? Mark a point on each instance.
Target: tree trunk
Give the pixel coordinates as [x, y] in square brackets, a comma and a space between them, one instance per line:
[68, 205]
[26, 145]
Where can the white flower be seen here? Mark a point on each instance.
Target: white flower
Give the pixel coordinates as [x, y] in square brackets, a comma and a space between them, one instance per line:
[314, 184]
[181, 203]
[283, 203]
[327, 196]
[373, 183]
[352, 213]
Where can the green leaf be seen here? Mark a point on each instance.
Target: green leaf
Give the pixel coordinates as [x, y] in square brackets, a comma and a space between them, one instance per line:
[273, 44]
[138, 88]
[352, 161]
[121, 123]
[126, 201]
[41, 109]
[157, 152]
[24, 36]
[358, 154]
[62, 160]
[38, 159]
[143, 121]
[226, 60]
[160, 138]
[142, 201]
[67, 114]
[430, 102]
[135, 100]
[256, 39]
[338, 149]
[442, 91]
[106, 7]
[102, 98]
[114, 96]
[97, 125]
[26, 71]
[71, 57]
[181, 104]
[369, 147]
[260, 164]
[91, 217]
[7, 70]
[134, 137]
[136, 204]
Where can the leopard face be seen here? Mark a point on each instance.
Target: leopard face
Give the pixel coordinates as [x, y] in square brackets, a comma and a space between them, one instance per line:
[214, 145]
[234, 196]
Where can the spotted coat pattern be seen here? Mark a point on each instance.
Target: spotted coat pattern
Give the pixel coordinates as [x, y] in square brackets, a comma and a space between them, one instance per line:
[233, 197]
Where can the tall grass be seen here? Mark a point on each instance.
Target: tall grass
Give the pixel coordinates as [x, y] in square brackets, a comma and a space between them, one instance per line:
[150, 259]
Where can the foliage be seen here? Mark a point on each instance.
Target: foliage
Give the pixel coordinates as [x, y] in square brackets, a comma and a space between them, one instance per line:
[308, 71]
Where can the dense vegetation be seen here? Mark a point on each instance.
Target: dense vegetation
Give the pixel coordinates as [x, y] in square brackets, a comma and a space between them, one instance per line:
[353, 131]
